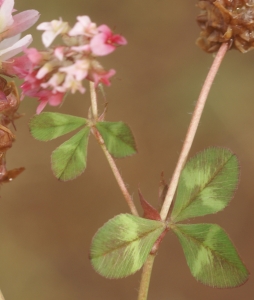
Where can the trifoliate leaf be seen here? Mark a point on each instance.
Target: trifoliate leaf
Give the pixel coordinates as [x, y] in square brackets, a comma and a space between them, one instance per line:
[207, 184]
[122, 245]
[48, 126]
[118, 138]
[69, 159]
[210, 255]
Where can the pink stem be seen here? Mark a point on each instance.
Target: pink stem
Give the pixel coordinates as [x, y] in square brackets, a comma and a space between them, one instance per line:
[192, 129]
[116, 173]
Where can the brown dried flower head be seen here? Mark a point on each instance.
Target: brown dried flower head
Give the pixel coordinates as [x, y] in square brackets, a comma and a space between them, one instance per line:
[226, 21]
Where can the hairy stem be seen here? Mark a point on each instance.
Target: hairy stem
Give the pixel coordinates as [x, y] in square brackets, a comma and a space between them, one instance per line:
[93, 101]
[192, 129]
[145, 279]
[110, 159]
[116, 173]
[147, 268]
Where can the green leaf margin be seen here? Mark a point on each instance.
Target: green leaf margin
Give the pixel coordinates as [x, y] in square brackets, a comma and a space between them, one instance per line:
[118, 138]
[48, 125]
[207, 184]
[122, 245]
[211, 256]
[69, 159]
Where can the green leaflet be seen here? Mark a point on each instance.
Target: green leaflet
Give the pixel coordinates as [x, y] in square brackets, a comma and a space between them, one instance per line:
[69, 159]
[118, 138]
[121, 246]
[48, 126]
[207, 184]
[210, 255]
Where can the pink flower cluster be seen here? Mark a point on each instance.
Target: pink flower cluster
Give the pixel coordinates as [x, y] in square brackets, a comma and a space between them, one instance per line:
[48, 75]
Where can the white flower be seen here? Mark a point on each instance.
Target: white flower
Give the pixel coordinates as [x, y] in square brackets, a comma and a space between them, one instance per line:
[84, 26]
[72, 84]
[79, 69]
[52, 30]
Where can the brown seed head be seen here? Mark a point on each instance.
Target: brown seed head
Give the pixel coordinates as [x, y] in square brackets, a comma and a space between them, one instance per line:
[226, 21]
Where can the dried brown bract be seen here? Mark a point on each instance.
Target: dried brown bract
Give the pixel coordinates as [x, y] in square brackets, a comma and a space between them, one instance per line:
[226, 21]
[9, 104]
[6, 138]
[8, 176]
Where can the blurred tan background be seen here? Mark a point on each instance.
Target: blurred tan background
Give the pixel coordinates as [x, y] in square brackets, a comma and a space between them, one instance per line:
[46, 226]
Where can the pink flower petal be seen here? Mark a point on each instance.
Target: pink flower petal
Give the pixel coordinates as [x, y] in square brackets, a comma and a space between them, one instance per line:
[103, 77]
[116, 39]
[84, 26]
[47, 97]
[105, 42]
[59, 52]
[41, 106]
[82, 48]
[15, 48]
[18, 66]
[99, 47]
[56, 99]
[9, 41]
[34, 55]
[79, 69]
[105, 29]
[22, 21]
[6, 14]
